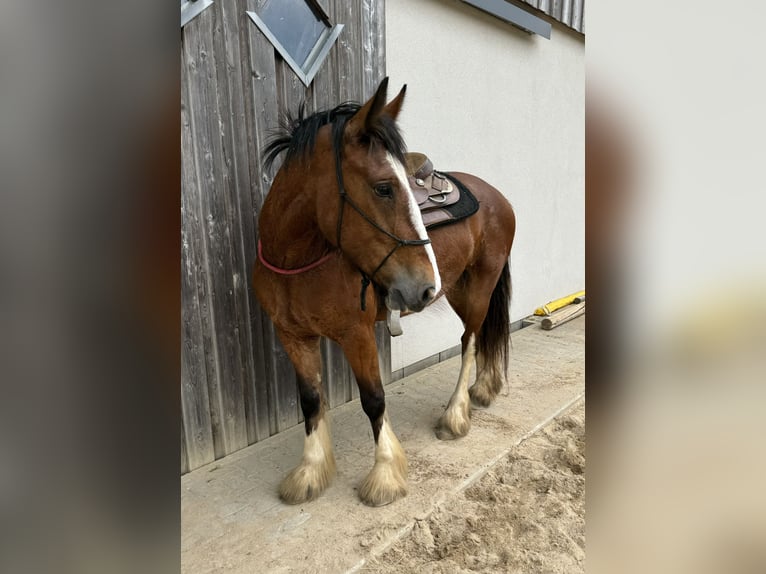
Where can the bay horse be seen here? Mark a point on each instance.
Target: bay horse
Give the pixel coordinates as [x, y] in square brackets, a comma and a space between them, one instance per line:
[340, 208]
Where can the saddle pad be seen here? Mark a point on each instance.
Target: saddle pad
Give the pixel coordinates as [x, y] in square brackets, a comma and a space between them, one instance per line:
[442, 199]
[465, 206]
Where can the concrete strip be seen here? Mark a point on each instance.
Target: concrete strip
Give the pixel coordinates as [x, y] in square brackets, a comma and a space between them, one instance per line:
[232, 520]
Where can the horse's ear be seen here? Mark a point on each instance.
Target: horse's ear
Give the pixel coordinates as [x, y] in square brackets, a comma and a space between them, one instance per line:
[393, 107]
[365, 118]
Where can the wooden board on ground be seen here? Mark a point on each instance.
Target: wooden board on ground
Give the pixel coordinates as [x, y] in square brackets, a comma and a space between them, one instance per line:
[562, 316]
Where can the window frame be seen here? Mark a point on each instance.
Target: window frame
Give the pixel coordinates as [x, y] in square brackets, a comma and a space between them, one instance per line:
[317, 54]
[514, 15]
[190, 9]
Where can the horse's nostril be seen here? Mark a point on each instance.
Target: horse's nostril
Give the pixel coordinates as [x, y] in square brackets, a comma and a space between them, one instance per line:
[429, 294]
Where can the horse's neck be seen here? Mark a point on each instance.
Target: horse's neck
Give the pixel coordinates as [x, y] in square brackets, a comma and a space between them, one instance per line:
[289, 233]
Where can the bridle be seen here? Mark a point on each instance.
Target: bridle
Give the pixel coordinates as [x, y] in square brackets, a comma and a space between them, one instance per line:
[343, 199]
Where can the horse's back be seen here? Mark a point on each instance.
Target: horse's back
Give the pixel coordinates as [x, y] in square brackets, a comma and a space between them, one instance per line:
[487, 233]
[494, 207]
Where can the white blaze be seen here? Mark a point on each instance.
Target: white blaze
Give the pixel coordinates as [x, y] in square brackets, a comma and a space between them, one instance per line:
[415, 217]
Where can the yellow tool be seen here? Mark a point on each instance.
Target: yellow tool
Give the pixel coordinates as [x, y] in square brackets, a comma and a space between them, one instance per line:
[550, 307]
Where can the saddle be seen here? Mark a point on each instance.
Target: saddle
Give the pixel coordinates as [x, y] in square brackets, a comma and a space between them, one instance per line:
[442, 199]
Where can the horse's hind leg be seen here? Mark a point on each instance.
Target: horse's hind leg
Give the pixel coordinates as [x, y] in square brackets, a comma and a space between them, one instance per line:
[316, 470]
[387, 481]
[489, 382]
[493, 343]
[456, 420]
[481, 301]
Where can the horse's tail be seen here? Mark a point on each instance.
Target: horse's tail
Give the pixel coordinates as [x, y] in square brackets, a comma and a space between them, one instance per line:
[494, 340]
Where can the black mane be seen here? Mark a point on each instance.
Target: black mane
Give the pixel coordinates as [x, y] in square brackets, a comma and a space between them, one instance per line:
[297, 135]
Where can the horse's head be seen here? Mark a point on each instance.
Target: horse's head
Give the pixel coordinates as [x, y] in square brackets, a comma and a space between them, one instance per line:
[350, 181]
[377, 223]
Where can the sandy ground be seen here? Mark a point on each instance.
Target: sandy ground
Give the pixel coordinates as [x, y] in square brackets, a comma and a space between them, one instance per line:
[526, 515]
[234, 523]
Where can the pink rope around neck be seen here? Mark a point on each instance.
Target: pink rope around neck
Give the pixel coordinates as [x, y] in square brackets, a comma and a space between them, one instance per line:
[297, 271]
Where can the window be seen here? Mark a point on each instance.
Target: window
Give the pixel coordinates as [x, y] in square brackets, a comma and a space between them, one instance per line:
[300, 31]
[191, 8]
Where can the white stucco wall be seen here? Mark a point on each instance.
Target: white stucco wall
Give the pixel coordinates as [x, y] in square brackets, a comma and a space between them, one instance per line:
[486, 98]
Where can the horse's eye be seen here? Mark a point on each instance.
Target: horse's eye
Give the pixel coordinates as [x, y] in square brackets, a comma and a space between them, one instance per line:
[384, 190]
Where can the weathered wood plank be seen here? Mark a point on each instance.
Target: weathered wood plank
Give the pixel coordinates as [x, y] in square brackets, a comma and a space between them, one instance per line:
[349, 64]
[208, 101]
[561, 316]
[566, 12]
[373, 40]
[228, 280]
[263, 91]
[203, 166]
[261, 113]
[237, 201]
[556, 9]
[194, 393]
[577, 15]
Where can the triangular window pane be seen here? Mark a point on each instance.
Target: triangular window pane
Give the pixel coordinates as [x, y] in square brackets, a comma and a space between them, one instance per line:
[300, 32]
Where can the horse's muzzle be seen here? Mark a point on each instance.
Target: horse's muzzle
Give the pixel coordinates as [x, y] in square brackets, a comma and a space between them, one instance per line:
[410, 295]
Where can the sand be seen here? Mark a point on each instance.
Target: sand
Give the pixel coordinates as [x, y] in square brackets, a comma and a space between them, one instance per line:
[527, 514]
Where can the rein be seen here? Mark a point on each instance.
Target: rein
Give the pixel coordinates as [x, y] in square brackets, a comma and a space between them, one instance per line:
[344, 199]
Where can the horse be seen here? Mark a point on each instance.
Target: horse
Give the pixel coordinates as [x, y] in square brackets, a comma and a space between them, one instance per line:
[340, 208]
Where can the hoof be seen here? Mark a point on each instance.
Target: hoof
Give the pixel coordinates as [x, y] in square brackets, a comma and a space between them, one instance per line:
[306, 482]
[384, 485]
[454, 423]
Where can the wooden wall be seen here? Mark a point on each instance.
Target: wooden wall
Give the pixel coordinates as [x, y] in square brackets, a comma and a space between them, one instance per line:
[237, 385]
[569, 12]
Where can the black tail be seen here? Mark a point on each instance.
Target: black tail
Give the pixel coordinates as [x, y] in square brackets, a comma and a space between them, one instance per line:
[494, 339]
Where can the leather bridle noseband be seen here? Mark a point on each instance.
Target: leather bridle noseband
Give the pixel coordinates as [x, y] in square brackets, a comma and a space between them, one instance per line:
[343, 199]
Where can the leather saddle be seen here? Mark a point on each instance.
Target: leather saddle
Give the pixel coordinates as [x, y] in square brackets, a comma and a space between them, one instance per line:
[441, 198]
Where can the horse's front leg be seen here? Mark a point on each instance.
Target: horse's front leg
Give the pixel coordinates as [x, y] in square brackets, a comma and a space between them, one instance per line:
[387, 481]
[317, 469]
